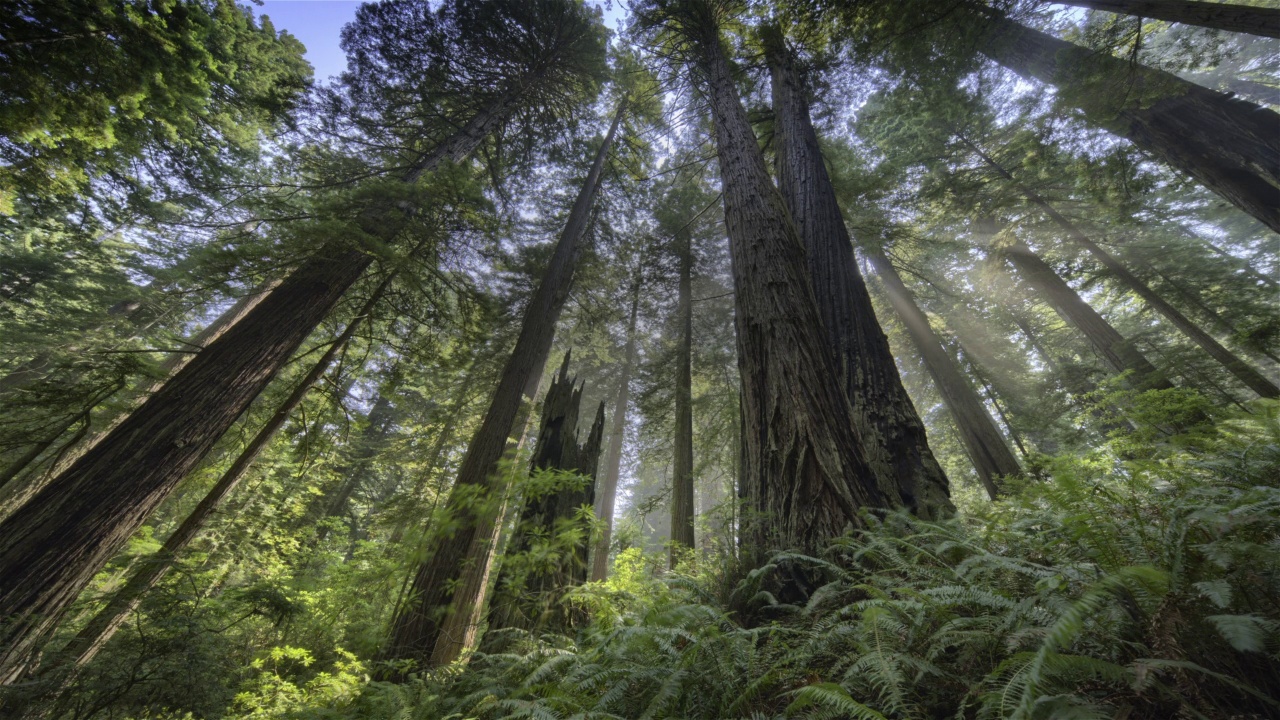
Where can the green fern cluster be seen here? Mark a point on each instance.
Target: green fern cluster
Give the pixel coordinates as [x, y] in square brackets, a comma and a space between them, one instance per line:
[1137, 588]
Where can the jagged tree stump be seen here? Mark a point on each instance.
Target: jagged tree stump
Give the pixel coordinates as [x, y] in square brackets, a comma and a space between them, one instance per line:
[547, 554]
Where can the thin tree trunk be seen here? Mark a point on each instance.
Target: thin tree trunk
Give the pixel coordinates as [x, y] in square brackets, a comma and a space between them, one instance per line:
[1228, 145]
[436, 599]
[95, 635]
[892, 432]
[1220, 16]
[379, 424]
[983, 443]
[617, 436]
[1250, 377]
[1118, 353]
[682, 510]
[807, 475]
[52, 546]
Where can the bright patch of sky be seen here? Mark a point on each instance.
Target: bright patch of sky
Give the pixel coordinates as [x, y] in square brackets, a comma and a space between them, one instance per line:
[318, 24]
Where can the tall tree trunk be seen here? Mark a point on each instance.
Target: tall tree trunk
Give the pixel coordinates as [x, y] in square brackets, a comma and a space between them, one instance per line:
[682, 510]
[807, 475]
[617, 436]
[1118, 353]
[52, 546]
[95, 635]
[435, 598]
[892, 432]
[529, 587]
[983, 443]
[1229, 145]
[1250, 377]
[1220, 16]
[354, 472]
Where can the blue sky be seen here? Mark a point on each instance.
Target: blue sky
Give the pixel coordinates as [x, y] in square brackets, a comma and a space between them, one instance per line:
[317, 23]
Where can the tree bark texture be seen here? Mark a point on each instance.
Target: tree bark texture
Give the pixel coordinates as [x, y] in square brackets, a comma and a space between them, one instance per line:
[1242, 371]
[983, 443]
[528, 591]
[806, 473]
[682, 510]
[1220, 16]
[434, 596]
[52, 546]
[1228, 145]
[1118, 353]
[608, 490]
[893, 435]
[99, 630]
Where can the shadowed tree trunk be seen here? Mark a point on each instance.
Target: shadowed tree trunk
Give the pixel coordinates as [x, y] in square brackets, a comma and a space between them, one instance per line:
[806, 474]
[1250, 377]
[892, 432]
[682, 510]
[983, 443]
[1220, 16]
[53, 545]
[1228, 145]
[95, 635]
[1118, 353]
[617, 436]
[532, 580]
[474, 506]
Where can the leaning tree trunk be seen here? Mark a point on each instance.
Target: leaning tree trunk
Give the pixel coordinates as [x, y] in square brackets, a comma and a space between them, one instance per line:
[1220, 16]
[983, 443]
[475, 503]
[529, 588]
[1229, 145]
[95, 635]
[52, 546]
[1242, 371]
[682, 510]
[892, 432]
[12, 497]
[806, 474]
[354, 472]
[617, 436]
[1118, 353]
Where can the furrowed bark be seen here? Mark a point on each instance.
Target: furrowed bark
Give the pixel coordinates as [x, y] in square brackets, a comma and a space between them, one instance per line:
[52, 546]
[1250, 377]
[436, 600]
[983, 443]
[682, 510]
[806, 474]
[892, 432]
[1228, 145]
[1220, 16]
[617, 436]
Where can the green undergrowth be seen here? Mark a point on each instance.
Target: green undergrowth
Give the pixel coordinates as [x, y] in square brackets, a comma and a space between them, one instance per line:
[1142, 587]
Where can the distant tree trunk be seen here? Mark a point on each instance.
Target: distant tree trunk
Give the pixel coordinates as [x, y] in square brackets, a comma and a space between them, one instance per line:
[682, 509]
[1118, 353]
[891, 430]
[95, 635]
[529, 587]
[354, 472]
[13, 497]
[416, 631]
[807, 475]
[1220, 16]
[1250, 377]
[983, 443]
[1228, 145]
[52, 546]
[617, 436]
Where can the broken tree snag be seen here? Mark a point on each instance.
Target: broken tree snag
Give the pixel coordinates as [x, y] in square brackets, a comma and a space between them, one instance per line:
[548, 552]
